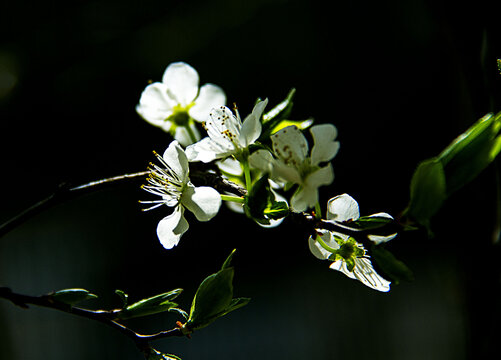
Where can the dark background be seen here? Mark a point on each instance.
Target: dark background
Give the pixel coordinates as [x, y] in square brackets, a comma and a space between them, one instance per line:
[399, 80]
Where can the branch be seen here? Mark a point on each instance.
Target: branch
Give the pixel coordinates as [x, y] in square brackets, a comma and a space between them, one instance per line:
[63, 193]
[107, 317]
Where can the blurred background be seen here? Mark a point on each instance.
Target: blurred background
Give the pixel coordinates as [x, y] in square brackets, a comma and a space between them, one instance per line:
[399, 80]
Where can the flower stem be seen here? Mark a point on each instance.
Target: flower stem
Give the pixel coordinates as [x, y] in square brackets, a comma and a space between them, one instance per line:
[324, 245]
[232, 198]
[247, 174]
[318, 211]
[190, 132]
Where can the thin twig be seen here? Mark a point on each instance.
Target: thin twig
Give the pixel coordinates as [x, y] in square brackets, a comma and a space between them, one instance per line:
[63, 193]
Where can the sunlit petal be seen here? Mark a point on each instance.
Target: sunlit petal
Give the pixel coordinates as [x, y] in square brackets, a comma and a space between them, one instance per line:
[182, 82]
[342, 208]
[172, 227]
[210, 96]
[324, 148]
[202, 201]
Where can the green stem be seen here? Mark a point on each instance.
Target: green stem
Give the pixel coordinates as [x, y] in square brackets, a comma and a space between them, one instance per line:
[247, 174]
[190, 132]
[324, 245]
[318, 211]
[232, 198]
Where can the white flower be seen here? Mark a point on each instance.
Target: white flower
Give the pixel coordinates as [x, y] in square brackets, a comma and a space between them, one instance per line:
[175, 102]
[349, 256]
[293, 165]
[227, 134]
[172, 183]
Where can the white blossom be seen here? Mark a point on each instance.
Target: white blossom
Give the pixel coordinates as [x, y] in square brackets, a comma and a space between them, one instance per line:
[227, 134]
[176, 101]
[171, 182]
[349, 257]
[294, 164]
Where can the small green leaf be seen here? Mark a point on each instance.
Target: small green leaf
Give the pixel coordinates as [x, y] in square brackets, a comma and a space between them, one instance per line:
[277, 210]
[227, 262]
[391, 266]
[300, 124]
[123, 296]
[153, 305]
[428, 191]
[72, 296]
[278, 113]
[260, 203]
[370, 222]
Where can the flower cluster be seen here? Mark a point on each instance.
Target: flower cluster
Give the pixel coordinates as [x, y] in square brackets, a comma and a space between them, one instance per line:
[266, 154]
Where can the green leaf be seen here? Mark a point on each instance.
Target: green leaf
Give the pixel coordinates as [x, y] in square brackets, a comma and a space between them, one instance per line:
[277, 210]
[370, 222]
[72, 296]
[260, 203]
[153, 354]
[153, 305]
[214, 298]
[300, 124]
[278, 113]
[428, 191]
[123, 296]
[471, 152]
[391, 266]
[211, 299]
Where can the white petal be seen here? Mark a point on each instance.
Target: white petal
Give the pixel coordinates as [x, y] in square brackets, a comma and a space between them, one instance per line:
[320, 177]
[304, 198]
[223, 127]
[182, 82]
[182, 135]
[154, 104]
[210, 96]
[262, 160]
[307, 194]
[340, 265]
[317, 250]
[290, 145]
[251, 127]
[230, 166]
[172, 227]
[176, 158]
[324, 148]
[365, 273]
[342, 208]
[206, 150]
[202, 201]
[284, 172]
[379, 239]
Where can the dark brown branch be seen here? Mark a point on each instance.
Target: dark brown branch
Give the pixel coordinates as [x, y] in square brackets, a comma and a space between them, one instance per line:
[107, 317]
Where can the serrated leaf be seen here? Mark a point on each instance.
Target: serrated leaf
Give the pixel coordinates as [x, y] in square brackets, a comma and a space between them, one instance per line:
[72, 296]
[390, 265]
[153, 305]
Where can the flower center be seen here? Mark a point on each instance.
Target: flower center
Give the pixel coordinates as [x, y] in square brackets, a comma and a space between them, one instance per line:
[180, 115]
